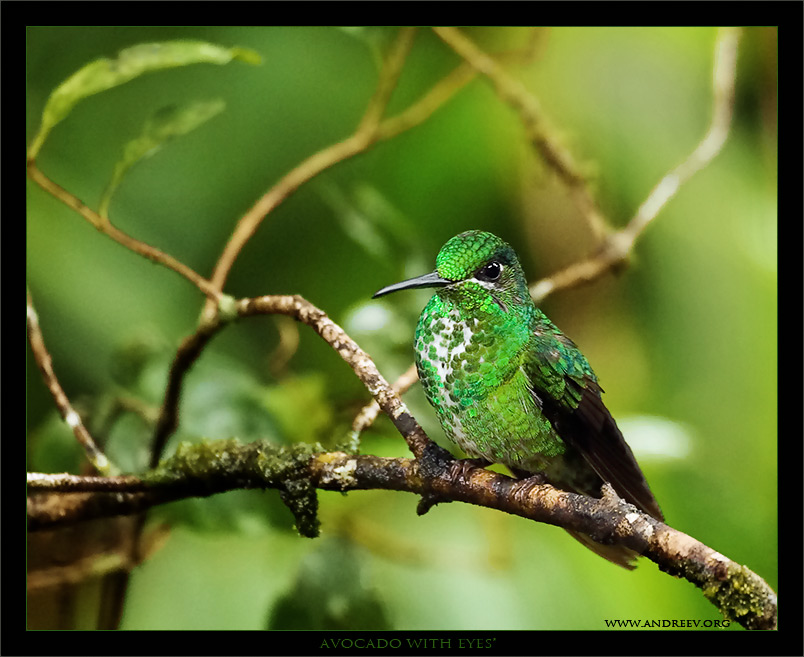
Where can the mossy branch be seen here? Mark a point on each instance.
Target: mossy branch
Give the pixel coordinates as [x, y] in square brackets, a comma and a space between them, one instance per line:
[200, 470]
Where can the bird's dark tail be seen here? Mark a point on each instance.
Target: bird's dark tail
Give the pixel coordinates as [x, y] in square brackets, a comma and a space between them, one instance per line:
[618, 554]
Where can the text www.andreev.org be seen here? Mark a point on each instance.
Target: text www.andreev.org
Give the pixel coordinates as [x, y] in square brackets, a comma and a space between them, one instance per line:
[621, 623]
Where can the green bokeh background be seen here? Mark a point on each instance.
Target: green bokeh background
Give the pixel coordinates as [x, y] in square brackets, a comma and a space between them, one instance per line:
[683, 341]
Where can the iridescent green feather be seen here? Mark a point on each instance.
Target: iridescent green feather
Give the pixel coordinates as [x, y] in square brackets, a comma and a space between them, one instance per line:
[509, 387]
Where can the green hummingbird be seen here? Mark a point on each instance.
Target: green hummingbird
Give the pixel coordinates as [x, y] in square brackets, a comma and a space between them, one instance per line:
[509, 387]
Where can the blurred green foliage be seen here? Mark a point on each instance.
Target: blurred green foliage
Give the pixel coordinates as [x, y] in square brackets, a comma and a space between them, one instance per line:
[330, 593]
[686, 335]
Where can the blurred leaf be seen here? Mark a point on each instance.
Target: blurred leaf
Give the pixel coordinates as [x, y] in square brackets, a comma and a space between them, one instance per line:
[383, 329]
[370, 220]
[104, 73]
[133, 354]
[657, 438]
[300, 407]
[167, 123]
[221, 398]
[330, 593]
[243, 512]
[376, 37]
[128, 438]
[52, 447]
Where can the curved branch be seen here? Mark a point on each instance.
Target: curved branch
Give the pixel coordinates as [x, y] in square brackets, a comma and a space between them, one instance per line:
[361, 363]
[188, 352]
[303, 311]
[365, 418]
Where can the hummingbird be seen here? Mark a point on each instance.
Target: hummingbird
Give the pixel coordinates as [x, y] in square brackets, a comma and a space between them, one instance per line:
[509, 387]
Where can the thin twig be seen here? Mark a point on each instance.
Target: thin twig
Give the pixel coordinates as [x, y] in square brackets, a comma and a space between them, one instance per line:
[286, 347]
[544, 138]
[365, 418]
[426, 106]
[367, 133]
[42, 356]
[389, 77]
[619, 245]
[724, 76]
[186, 356]
[110, 230]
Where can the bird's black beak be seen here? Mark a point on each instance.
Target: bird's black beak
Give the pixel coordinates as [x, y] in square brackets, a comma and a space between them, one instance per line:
[427, 280]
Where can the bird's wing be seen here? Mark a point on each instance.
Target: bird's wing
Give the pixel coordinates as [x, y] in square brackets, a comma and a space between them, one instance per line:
[566, 390]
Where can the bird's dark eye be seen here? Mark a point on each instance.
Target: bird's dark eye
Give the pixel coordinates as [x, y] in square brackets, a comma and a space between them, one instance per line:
[490, 272]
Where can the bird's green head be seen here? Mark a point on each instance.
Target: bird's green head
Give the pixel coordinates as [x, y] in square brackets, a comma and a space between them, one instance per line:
[474, 268]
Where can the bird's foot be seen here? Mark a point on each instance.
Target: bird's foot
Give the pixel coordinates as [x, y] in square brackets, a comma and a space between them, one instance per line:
[536, 478]
[530, 480]
[456, 470]
[461, 468]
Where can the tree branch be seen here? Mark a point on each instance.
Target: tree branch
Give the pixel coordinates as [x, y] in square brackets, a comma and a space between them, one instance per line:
[303, 311]
[208, 468]
[615, 250]
[365, 418]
